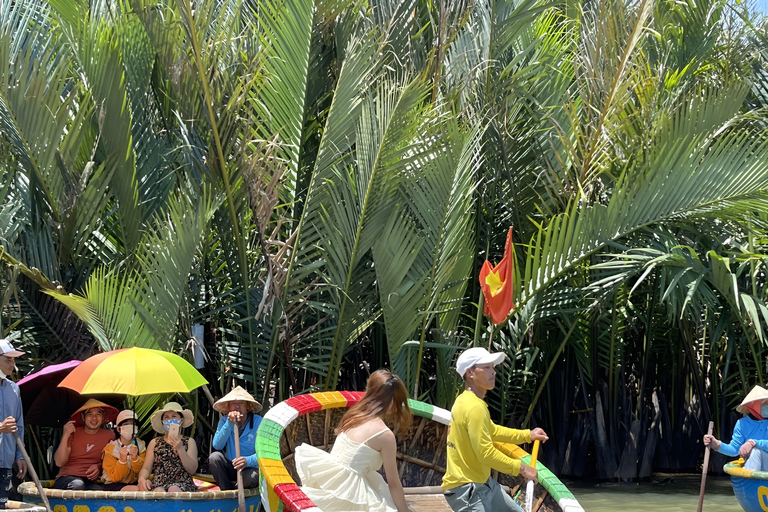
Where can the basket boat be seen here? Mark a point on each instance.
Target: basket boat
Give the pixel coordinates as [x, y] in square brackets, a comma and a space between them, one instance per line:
[139, 501]
[749, 486]
[312, 418]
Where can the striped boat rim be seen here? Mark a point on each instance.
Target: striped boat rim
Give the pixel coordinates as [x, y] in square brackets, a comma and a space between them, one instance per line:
[278, 487]
[30, 489]
[736, 468]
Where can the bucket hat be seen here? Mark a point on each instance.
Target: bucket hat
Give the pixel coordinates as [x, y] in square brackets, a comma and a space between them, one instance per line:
[157, 418]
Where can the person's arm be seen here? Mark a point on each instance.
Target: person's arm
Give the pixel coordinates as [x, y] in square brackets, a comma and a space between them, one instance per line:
[388, 444]
[223, 431]
[481, 430]
[731, 449]
[510, 435]
[144, 483]
[62, 452]
[189, 456]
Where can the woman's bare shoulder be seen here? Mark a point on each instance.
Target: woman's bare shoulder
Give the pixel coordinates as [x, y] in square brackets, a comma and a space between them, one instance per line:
[364, 431]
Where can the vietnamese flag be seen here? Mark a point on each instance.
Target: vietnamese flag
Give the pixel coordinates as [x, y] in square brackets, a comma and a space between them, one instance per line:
[496, 283]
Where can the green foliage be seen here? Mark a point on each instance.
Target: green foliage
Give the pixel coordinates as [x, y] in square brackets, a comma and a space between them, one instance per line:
[318, 183]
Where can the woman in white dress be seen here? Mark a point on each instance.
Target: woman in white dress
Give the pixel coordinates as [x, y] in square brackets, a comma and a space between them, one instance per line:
[347, 479]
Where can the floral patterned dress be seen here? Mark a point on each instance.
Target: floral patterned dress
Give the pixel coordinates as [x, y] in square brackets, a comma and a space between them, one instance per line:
[168, 468]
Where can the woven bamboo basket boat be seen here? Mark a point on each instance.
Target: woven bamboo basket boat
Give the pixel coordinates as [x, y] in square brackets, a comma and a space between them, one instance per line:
[139, 501]
[312, 419]
[749, 486]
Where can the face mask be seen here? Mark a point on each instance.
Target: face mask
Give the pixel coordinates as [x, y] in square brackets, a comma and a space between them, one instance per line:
[127, 431]
[167, 424]
[764, 411]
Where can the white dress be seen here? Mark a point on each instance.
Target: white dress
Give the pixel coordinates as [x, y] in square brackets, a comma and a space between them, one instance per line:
[346, 479]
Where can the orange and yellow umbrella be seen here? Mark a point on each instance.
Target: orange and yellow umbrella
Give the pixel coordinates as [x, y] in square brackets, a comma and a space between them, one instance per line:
[134, 371]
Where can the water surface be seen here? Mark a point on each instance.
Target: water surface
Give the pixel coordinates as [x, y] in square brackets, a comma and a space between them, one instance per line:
[666, 492]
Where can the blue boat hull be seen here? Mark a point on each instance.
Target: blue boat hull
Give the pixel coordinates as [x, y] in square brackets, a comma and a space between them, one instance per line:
[751, 493]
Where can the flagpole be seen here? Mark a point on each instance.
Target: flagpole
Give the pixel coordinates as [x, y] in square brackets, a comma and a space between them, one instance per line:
[479, 320]
[490, 336]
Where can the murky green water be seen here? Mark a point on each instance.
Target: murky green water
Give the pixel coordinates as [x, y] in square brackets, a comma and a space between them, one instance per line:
[667, 493]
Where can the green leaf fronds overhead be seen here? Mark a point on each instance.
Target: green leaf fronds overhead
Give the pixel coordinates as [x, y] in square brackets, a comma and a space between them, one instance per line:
[684, 176]
[286, 35]
[140, 306]
[423, 257]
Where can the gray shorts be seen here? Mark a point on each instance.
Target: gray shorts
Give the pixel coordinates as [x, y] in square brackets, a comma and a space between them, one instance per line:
[487, 497]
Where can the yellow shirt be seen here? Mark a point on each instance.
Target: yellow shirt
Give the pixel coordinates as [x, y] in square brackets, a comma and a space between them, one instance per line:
[472, 456]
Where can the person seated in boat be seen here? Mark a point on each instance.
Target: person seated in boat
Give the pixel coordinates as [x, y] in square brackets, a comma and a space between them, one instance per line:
[79, 452]
[124, 457]
[347, 479]
[467, 482]
[239, 411]
[171, 456]
[750, 432]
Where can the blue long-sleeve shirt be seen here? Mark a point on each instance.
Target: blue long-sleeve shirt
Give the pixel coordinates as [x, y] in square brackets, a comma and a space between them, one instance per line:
[10, 405]
[224, 439]
[746, 428]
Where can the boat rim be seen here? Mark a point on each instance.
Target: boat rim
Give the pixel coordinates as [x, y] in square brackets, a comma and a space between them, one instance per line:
[277, 485]
[736, 468]
[30, 489]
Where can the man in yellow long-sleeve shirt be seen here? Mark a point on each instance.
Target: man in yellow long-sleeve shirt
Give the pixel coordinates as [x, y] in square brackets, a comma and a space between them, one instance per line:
[467, 482]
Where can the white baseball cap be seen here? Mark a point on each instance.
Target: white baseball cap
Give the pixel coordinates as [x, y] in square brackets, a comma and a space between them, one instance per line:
[477, 355]
[8, 349]
[125, 415]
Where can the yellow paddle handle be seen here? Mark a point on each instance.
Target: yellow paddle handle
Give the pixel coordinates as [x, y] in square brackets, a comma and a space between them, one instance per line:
[534, 453]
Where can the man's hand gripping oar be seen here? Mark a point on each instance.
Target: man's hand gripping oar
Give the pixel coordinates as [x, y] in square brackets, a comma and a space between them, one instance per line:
[530, 472]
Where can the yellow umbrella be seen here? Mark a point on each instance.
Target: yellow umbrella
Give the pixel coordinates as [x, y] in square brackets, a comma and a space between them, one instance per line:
[134, 371]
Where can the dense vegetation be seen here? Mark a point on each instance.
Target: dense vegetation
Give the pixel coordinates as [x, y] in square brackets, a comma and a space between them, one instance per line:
[318, 182]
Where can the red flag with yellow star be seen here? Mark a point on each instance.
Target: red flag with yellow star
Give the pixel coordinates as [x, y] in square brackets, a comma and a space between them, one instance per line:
[496, 283]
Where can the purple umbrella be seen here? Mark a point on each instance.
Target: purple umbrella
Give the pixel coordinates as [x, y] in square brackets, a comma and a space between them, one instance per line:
[48, 405]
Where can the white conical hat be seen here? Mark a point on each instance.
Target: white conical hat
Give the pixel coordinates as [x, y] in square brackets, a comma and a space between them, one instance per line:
[758, 394]
[237, 394]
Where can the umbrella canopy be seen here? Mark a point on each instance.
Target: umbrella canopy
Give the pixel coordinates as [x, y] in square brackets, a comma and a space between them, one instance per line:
[134, 371]
[47, 405]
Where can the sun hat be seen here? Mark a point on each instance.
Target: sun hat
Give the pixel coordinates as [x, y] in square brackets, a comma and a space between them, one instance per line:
[125, 415]
[237, 394]
[477, 355]
[157, 418]
[8, 349]
[751, 402]
[110, 413]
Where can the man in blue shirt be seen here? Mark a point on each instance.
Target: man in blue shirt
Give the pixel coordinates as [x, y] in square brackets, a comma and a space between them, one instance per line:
[239, 409]
[750, 435]
[10, 410]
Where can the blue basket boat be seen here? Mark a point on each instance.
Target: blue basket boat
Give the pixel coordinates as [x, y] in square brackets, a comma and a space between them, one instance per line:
[749, 486]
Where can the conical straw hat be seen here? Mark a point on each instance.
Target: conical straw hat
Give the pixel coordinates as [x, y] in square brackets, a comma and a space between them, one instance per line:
[237, 394]
[110, 413]
[758, 394]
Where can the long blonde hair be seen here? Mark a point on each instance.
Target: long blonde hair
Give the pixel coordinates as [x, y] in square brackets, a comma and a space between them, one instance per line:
[385, 398]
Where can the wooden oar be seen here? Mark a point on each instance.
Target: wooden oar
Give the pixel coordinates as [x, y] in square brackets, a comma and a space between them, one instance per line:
[240, 491]
[32, 471]
[704, 469]
[529, 486]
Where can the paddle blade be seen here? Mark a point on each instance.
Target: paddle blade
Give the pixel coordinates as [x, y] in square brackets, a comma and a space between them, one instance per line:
[529, 496]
